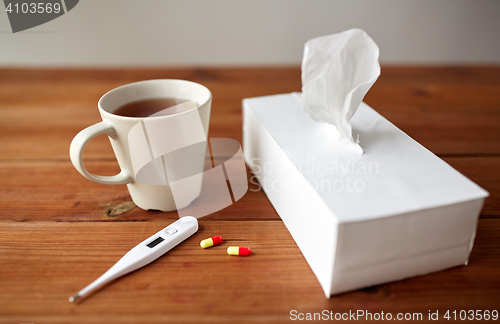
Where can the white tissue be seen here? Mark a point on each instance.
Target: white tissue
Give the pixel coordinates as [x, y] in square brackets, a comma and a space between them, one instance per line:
[337, 72]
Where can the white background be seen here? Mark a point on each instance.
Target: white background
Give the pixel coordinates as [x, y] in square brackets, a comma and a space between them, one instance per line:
[263, 32]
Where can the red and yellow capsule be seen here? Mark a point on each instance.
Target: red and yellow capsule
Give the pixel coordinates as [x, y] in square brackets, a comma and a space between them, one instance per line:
[237, 250]
[211, 241]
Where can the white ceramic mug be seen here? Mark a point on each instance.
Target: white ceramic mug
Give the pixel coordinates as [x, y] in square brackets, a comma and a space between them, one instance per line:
[156, 197]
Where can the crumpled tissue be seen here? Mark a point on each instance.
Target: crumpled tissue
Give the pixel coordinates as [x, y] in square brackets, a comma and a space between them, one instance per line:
[337, 72]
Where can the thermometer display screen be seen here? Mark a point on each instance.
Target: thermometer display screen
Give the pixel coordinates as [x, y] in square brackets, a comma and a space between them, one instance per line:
[156, 242]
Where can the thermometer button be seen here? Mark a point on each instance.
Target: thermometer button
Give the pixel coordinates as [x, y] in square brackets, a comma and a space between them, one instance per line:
[171, 230]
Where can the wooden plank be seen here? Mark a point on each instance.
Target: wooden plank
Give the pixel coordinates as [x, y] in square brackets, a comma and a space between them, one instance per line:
[39, 270]
[42, 110]
[448, 110]
[454, 111]
[447, 119]
[391, 74]
[55, 191]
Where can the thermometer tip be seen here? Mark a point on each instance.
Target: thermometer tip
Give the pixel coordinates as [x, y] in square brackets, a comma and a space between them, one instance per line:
[74, 298]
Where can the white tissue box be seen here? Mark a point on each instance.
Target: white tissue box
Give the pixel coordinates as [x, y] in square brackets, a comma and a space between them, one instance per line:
[398, 211]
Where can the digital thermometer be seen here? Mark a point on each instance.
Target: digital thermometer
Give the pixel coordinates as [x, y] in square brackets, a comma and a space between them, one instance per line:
[145, 252]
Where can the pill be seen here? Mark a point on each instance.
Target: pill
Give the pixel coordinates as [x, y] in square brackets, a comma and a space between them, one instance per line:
[211, 241]
[236, 250]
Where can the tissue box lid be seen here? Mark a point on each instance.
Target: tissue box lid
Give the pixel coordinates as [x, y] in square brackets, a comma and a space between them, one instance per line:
[395, 175]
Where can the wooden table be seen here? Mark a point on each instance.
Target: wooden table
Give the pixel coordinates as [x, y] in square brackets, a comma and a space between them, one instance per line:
[59, 231]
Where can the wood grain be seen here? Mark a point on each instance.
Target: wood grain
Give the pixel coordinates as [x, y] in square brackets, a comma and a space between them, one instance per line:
[55, 191]
[25, 196]
[448, 110]
[41, 270]
[59, 231]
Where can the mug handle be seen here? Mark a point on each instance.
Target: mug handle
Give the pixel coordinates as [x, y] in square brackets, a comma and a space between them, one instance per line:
[76, 149]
